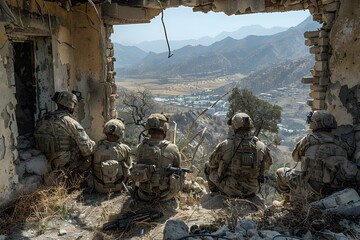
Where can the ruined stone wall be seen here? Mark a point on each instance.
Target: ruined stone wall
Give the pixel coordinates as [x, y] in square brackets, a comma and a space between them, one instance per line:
[8, 127]
[334, 84]
[343, 95]
[70, 54]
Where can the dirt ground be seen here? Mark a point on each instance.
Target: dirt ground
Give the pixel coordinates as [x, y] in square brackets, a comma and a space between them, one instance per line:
[87, 212]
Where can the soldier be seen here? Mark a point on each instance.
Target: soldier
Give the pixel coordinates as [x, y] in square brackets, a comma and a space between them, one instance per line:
[63, 140]
[239, 163]
[153, 157]
[112, 161]
[325, 167]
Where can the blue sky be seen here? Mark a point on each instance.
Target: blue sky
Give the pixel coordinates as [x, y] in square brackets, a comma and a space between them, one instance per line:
[182, 23]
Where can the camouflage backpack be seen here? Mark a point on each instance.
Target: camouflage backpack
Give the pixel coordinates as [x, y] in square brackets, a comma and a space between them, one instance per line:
[245, 160]
[48, 134]
[149, 173]
[109, 166]
[337, 169]
[331, 165]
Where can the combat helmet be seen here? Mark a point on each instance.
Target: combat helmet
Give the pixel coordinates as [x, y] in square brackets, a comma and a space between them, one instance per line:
[241, 121]
[157, 121]
[65, 98]
[322, 119]
[114, 127]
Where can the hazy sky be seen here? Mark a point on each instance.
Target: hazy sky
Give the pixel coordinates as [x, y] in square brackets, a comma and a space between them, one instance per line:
[182, 23]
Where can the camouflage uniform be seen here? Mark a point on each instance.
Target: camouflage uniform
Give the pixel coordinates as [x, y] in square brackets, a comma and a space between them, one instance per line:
[152, 158]
[238, 163]
[325, 167]
[64, 142]
[112, 161]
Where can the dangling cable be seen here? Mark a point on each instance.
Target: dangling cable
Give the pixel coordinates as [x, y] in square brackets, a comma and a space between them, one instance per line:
[166, 37]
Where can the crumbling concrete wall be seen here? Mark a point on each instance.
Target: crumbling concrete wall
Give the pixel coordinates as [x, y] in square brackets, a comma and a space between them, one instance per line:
[8, 127]
[343, 95]
[70, 45]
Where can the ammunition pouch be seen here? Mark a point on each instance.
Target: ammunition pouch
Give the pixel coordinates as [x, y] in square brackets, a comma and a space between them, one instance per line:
[175, 183]
[110, 170]
[142, 172]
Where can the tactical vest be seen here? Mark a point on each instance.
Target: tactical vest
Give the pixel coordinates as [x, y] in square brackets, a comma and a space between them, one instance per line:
[50, 136]
[149, 172]
[108, 167]
[323, 160]
[245, 160]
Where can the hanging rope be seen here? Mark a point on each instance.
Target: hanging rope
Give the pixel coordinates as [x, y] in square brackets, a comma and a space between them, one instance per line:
[166, 37]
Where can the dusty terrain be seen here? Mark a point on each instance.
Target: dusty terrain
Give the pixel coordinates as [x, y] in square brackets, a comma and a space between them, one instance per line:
[177, 86]
[82, 214]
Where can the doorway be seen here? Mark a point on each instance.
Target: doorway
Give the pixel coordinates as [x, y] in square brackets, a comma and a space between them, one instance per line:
[24, 63]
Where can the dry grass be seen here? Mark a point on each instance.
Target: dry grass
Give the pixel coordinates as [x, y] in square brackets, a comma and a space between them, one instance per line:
[37, 207]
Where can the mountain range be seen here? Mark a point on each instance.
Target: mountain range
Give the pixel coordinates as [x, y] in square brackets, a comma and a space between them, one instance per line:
[159, 46]
[225, 57]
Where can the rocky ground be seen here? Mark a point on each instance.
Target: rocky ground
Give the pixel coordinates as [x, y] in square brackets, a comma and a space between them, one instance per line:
[195, 214]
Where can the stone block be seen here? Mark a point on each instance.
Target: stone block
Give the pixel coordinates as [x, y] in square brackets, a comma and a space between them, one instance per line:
[323, 33]
[318, 88]
[317, 17]
[175, 229]
[331, 7]
[318, 104]
[344, 203]
[310, 102]
[36, 165]
[311, 41]
[311, 34]
[314, 50]
[328, 18]
[324, 2]
[320, 66]
[310, 80]
[321, 57]
[324, 81]
[317, 95]
[323, 41]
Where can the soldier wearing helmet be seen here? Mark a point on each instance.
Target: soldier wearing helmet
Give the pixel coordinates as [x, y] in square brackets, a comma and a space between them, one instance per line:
[112, 161]
[153, 157]
[325, 167]
[63, 140]
[238, 163]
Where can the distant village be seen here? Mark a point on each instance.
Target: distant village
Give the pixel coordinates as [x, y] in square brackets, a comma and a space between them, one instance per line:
[291, 99]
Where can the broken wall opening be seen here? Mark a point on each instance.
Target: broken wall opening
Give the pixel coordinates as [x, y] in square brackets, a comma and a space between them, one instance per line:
[24, 63]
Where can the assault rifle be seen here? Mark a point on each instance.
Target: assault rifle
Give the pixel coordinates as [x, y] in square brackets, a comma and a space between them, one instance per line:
[178, 170]
[130, 217]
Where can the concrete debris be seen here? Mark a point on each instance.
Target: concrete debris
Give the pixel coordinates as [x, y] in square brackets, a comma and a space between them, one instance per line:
[268, 234]
[36, 165]
[62, 232]
[175, 229]
[344, 203]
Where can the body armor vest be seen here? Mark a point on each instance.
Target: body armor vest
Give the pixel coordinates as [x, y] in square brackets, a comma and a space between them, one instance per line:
[50, 136]
[108, 162]
[316, 155]
[245, 160]
[149, 172]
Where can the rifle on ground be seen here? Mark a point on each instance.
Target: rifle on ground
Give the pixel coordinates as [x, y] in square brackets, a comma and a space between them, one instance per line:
[178, 170]
[130, 217]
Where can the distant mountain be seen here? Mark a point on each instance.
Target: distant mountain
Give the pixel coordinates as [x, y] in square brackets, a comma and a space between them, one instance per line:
[284, 74]
[228, 56]
[159, 46]
[127, 55]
